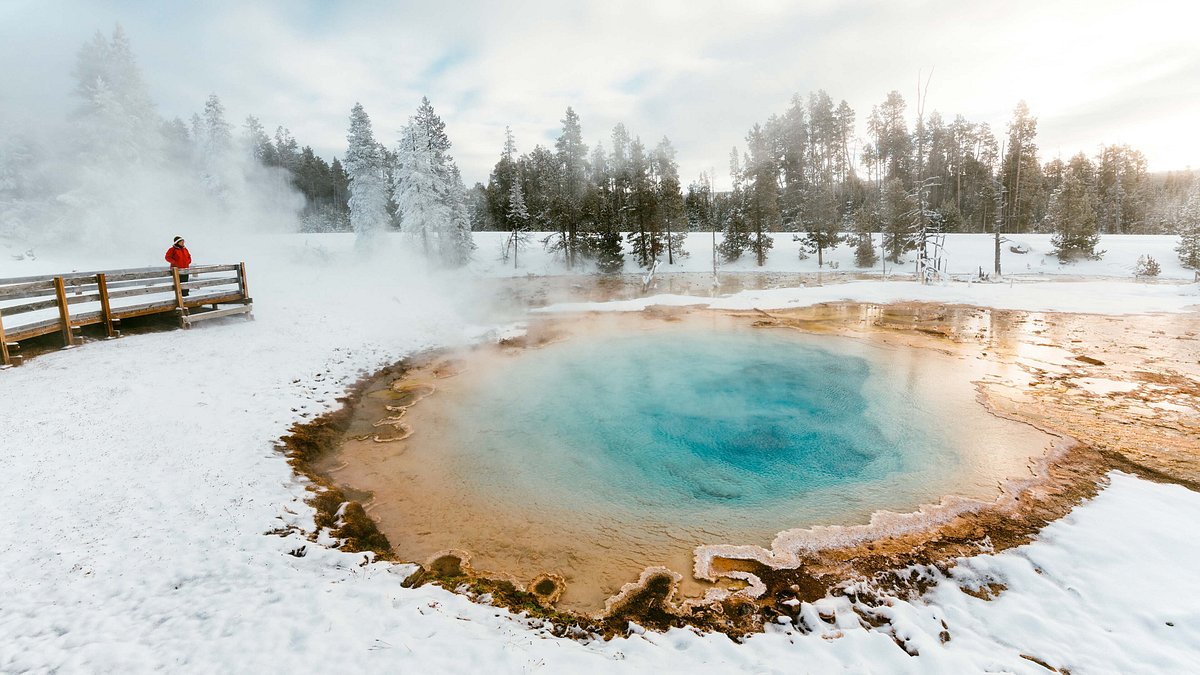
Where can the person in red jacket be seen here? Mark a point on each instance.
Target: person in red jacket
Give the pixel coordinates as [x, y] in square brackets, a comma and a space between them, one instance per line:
[179, 256]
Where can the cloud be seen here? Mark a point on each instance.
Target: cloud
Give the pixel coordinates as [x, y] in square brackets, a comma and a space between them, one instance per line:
[699, 72]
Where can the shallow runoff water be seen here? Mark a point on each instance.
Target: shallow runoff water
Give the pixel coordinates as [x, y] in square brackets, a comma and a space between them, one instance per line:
[615, 450]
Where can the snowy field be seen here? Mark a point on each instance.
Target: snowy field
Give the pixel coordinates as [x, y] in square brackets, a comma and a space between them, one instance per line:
[140, 479]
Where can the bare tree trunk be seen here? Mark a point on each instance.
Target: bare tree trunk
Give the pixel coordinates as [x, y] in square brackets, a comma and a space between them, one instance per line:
[1015, 212]
[670, 245]
[999, 217]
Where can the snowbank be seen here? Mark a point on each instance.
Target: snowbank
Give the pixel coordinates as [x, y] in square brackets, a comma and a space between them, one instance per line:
[965, 255]
[141, 483]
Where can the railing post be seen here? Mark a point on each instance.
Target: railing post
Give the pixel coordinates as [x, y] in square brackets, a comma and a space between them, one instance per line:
[64, 312]
[180, 310]
[5, 359]
[178, 289]
[105, 308]
[242, 280]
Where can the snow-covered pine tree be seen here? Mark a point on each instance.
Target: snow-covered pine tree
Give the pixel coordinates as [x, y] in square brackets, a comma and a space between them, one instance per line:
[1189, 230]
[119, 141]
[499, 188]
[518, 219]
[368, 193]
[419, 187]
[431, 199]
[1146, 267]
[255, 142]
[215, 145]
[1072, 213]
[107, 76]
[434, 127]
[455, 240]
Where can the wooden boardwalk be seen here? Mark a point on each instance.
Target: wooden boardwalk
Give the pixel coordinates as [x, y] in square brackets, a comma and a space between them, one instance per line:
[40, 305]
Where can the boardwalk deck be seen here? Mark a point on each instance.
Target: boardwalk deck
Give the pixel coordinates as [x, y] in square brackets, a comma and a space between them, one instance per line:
[41, 305]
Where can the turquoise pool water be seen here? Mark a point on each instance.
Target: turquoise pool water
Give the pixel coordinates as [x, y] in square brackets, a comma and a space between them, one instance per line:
[711, 425]
[616, 450]
[698, 418]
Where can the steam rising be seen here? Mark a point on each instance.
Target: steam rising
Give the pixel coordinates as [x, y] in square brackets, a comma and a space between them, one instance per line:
[113, 174]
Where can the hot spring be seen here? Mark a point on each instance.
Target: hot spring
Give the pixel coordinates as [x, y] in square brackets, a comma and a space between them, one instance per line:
[631, 442]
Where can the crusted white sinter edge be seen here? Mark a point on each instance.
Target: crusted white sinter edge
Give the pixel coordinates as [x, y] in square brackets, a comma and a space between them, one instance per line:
[788, 546]
[634, 586]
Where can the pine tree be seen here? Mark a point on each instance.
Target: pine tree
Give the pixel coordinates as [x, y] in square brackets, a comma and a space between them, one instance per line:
[215, 142]
[896, 212]
[505, 174]
[735, 237]
[645, 239]
[518, 219]
[287, 150]
[364, 167]
[893, 144]
[539, 176]
[339, 217]
[669, 197]
[430, 196]
[603, 236]
[821, 227]
[1189, 230]
[1072, 213]
[419, 187]
[434, 128]
[455, 240]
[1022, 175]
[1121, 190]
[109, 82]
[572, 159]
[698, 204]
[864, 246]
[255, 141]
[118, 139]
[618, 167]
[480, 210]
[762, 196]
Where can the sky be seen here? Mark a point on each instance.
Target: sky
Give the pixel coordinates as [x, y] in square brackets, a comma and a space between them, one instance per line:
[1094, 72]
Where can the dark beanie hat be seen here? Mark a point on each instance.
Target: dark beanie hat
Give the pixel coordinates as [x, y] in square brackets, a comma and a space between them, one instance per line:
[178, 239]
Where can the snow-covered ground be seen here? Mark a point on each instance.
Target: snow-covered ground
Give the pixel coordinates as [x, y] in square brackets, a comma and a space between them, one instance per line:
[964, 254]
[140, 480]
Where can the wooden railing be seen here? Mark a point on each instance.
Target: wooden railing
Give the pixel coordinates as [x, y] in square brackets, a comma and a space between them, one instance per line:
[64, 303]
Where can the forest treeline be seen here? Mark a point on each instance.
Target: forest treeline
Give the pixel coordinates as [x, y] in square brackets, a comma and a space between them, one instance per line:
[805, 170]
